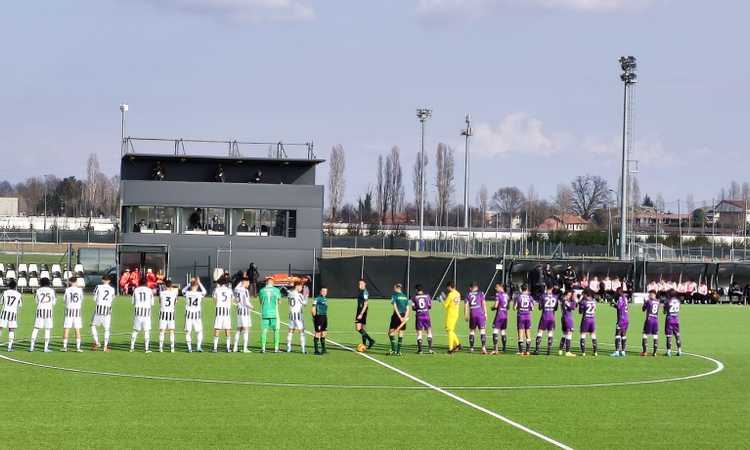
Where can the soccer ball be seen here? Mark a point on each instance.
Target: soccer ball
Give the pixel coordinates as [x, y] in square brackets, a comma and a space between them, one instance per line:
[361, 348]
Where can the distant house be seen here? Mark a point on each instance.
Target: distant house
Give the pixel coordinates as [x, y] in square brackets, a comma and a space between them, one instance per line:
[8, 206]
[732, 214]
[567, 222]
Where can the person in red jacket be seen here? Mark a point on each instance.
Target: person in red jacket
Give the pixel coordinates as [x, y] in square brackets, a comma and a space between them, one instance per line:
[135, 278]
[150, 279]
[125, 282]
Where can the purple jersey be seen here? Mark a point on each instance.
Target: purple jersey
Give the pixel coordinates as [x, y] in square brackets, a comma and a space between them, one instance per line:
[567, 309]
[651, 306]
[421, 304]
[587, 307]
[548, 305]
[475, 300]
[501, 305]
[622, 309]
[672, 309]
[524, 303]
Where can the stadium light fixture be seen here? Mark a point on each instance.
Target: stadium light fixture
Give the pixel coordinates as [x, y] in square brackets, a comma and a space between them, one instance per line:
[466, 133]
[628, 77]
[422, 114]
[123, 112]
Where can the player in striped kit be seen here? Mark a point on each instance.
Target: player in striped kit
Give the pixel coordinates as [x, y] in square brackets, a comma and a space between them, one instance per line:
[193, 316]
[167, 312]
[143, 300]
[45, 303]
[73, 299]
[297, 303]
[244, 306]
[12, 300]
[104, 294]
[223, 297]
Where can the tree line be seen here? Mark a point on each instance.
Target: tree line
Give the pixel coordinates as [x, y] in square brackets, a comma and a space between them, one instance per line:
[384, 202]
[96, 195]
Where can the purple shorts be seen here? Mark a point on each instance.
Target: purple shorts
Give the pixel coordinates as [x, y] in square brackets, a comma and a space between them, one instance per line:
[524, 322]
[567, 324]
[621, 329]
[423, 323]
[547, 324]
[477, 322]
[588, 326]
[671, 327]
[651, 326]
[501, 323]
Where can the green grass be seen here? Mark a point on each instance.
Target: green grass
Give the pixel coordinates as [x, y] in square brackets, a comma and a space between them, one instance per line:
[39, 259]
[53, 408]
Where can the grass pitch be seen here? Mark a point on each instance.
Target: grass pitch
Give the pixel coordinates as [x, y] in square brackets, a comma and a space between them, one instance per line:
[345, 400]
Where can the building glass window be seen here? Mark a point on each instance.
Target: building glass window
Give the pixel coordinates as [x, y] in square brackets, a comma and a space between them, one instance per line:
[265, 222]
[150, 219]
[204, 221]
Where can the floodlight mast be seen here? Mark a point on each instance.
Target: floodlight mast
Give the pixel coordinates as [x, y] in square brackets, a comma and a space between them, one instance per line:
[466, 133]
[628, 77]
[422, 114]
[123, 113]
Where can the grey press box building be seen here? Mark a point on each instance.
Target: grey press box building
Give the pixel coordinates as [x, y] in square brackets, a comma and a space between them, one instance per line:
[191, 214]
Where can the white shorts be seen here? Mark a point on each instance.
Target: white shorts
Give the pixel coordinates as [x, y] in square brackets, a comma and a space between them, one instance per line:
[142, 324]
[298, 324]
[43, 323]
[72, 322]
[166, 324]
[8, 323]
[101, 321]
[193, 325]
[223, 323]
[244, 322]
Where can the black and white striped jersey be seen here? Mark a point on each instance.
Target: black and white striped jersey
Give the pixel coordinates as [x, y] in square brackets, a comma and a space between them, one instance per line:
[73, 299]
[223, 300]
[12, 300]
[193, 301]
[104, 294]
[143, 300]
[45, 302]
[242, 300]
[167, 301]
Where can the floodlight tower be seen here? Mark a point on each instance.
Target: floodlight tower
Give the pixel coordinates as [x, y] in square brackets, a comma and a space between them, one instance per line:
[422, 114]
[629, 78]
[466, 133]
[123, 113]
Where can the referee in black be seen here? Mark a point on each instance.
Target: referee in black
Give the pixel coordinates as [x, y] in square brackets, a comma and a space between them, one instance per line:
[360, 320]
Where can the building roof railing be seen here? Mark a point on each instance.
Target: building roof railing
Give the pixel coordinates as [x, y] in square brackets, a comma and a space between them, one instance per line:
[275, 150]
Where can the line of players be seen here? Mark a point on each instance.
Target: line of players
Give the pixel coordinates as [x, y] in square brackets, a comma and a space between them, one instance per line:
[475, 313]
[225, 298]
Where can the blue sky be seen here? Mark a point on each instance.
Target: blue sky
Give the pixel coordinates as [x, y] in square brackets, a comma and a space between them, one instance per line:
[540, 78]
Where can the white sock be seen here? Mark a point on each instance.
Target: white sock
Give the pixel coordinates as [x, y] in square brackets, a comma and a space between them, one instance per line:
[147, 341]
[95, 335]
[229, 344]
[302, 340]
[245, 335]
[133, 336]
[65, 343]
[34, 334]
[236, 340]
[46, 338]
[161, 340]
[200, 339]
[216, 343]
[11, 336]
[78, 343]
[106, 337]
[289, 341]
[189, 341]
[171, 339]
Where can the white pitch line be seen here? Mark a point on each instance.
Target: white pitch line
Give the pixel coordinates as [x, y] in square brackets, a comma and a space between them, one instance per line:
[451, 395]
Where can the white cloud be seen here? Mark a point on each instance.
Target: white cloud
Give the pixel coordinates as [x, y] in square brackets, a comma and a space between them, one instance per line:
[516, 133]
[243, 11]
[649, 151]
[447, 9]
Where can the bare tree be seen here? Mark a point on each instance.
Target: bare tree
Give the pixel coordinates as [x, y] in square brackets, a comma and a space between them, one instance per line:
[734, 190]
[483, 199]
[381, 200]
[563, 202]
[508, 201]
[745, 191]
[590, 192]
[444, 177]
[659, 202]
[417, 173]
[634, 192]
[394, 177]
[336, 180]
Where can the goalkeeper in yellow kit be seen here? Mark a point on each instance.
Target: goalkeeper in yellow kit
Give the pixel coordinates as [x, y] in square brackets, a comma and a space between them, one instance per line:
[452, 305]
